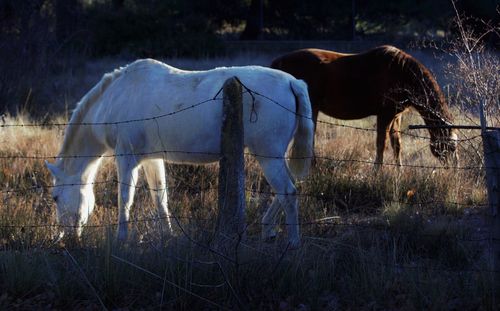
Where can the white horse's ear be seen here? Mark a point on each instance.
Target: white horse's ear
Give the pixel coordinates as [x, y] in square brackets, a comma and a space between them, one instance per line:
[54, 170]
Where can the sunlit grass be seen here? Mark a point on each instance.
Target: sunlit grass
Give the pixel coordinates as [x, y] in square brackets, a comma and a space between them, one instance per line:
[408, 234]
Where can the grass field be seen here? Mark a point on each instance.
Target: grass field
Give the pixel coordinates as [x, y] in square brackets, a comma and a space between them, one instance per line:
[407, 238]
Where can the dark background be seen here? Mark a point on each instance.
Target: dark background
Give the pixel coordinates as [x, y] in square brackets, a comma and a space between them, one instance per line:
[38, 37]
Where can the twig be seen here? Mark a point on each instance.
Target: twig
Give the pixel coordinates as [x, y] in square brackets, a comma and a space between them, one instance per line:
[169, 282]
[233, 291]
[85, 278]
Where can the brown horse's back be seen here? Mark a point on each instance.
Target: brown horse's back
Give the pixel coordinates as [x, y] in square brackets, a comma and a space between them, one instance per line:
[308, 66]
[344, 86]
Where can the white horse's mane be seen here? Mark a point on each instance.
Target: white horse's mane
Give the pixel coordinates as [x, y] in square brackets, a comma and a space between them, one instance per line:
[83, 106]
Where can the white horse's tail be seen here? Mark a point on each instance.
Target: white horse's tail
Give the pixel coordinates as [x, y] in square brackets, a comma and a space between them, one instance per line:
[301, 151]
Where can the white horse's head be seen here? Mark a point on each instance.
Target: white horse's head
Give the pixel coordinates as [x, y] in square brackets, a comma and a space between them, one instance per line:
[74, 201]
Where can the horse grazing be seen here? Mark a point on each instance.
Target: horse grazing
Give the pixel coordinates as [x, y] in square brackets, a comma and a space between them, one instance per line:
[385, 82]
[148, 112]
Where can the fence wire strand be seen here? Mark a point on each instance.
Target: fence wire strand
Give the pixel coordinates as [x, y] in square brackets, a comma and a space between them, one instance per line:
[331, 223]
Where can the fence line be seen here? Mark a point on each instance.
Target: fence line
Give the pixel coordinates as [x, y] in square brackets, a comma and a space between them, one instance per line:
[361, 226]
[370, 162]
[319, 196]
[215, 98]
[324, 222]
[115, 122]
[332, 124]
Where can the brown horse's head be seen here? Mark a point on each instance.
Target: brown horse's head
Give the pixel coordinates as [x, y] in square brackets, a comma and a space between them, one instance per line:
[420, 88]
[444, 145]
[434, 110]
[444, 140]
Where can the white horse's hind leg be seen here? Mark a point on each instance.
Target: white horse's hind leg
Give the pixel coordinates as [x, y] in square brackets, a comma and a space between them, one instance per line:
[269, 220]
[277, 175]
[155, 176]
[127, 179]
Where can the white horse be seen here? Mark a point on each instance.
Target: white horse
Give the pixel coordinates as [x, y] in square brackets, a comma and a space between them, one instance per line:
[143, 114]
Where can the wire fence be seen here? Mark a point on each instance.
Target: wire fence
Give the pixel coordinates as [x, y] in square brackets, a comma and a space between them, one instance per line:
[330, 222]
[160, 116]
[318, 196]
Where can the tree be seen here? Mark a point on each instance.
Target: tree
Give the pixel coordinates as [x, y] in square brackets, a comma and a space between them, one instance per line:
[67, 15]
[254, 21]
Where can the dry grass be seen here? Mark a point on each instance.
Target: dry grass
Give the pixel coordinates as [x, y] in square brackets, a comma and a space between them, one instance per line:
[407, 246]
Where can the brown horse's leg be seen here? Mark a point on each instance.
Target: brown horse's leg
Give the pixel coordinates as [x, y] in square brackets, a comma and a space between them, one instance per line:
[396, 138]
[383, 123]
[315, 113]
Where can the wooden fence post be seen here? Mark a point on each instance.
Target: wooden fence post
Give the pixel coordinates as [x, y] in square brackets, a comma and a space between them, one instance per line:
[491, 145]
[231, 218]
[491, 149]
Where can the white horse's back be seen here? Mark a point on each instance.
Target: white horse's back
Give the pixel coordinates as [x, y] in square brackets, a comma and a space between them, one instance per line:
[149, 89]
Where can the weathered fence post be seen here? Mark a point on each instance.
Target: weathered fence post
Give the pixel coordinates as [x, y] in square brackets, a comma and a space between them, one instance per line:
[231, 218]
[491, 148]
[491, 143]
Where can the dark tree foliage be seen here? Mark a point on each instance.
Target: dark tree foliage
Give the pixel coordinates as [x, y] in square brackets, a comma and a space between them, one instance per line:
[67, 13]
[154, 28]
[313, 19]
[26, 46]
[254, 21]
[40, 37]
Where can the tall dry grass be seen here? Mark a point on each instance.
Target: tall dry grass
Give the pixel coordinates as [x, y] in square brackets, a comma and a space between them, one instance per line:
[392, 238]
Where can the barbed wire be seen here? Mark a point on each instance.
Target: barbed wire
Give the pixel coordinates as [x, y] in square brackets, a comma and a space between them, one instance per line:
[332, 124]
[152, 118]
[214, 98]
[320, 196]
[166, 152]
[320, 222]
[371, 227]
[402, 132]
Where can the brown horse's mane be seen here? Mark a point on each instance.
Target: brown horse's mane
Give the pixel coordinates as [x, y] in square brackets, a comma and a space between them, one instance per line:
[419, 78]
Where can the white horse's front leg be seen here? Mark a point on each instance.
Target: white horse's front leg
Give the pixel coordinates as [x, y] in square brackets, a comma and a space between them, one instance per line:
[155, 176]
[127, 179]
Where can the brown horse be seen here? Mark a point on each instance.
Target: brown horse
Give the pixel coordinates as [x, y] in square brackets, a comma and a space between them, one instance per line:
[385, 82]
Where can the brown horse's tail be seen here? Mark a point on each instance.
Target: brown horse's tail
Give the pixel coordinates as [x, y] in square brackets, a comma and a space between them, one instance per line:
[301, 151]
